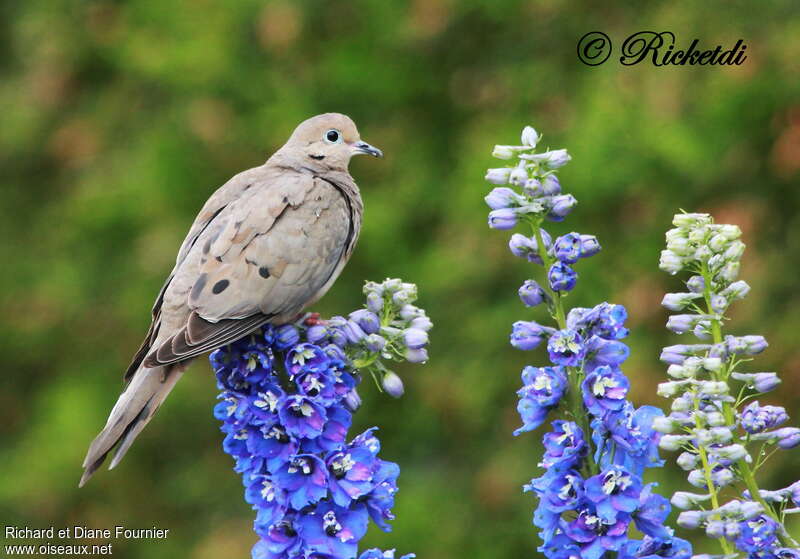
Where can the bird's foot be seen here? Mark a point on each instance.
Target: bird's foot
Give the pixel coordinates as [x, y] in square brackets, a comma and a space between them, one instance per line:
[312, 319]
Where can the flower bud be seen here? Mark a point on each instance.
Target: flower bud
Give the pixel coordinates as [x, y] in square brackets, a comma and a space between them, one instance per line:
[678, 301]
[392, 384]
[421, 323]
[731, 453]
[557, 158]
[730, 272]
[526, 247]
[684, 500]
[589, 246]
[718, 243]
[716, 262]
[696, 284]
[673, 442]
[681, 323]
[731, 232]
[713, 388]
[531, 293]
[416, 355]
[669, 389]
[687, 461]
[715, 435]
[567, 248]
[375, 343]
[737, 290]
[663, 424]
[677, 354]
[689, 220]
[528, 335]
[316, 333]
[751, 509]
[753, 344]
[561, 206]
[286, 336]
[718, 303]
[551, 186]
[518, 176]
[732, 530]
[353, 332]
[498, 176]
[735, 250]
[680, 372]
[533, 188]
[502, 152]
[682, 404]
[722, 477]
[757, 419]
[670, 262]
[352, 400]
[337, 337]
[374, 302]
[393, 285]
[702, 330]
[712, 364]
[789, 437]
[367, 320]
[702, 253]
[409, 312]
[415, 339]
[502, 197]
[764, 382]
[680, 246]
[529, 137]
[698, 235]
[503, 219]
[690, 519]
[715, 528]
[561, 277]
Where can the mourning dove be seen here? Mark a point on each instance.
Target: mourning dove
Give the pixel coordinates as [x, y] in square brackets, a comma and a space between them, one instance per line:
[271, 241]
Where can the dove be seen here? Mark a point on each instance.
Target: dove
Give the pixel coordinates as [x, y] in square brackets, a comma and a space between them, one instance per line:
[268, 243]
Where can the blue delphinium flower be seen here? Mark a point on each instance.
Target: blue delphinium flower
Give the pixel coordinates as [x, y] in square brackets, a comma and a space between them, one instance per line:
[288, 395]
[592, 490]
[708, 419]
[542, 389]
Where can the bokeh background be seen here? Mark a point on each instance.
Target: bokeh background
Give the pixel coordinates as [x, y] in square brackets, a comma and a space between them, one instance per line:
[119, 119]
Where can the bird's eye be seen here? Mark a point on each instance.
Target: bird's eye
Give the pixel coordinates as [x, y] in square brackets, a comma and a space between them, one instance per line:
[333, 136]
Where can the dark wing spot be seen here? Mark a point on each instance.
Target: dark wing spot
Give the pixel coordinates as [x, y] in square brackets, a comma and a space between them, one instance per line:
[263, 271]
[317, 157]
[198, 286]
[220, 286]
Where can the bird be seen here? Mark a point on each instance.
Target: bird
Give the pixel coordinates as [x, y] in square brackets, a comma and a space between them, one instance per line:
[267, 244]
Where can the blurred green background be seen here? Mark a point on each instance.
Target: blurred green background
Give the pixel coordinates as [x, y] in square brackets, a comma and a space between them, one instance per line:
[119, 119]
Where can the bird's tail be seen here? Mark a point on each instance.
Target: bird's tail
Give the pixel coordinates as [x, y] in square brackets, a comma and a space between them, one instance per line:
[135, 407]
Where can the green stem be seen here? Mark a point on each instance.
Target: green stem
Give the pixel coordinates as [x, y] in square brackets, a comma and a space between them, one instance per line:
[744, 468]
[712, 489]
[574, 374]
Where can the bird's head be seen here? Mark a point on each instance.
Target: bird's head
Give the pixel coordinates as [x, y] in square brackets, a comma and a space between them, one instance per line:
[329, 141]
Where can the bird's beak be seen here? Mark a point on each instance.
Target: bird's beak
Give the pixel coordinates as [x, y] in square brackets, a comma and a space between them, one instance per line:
[364, 147]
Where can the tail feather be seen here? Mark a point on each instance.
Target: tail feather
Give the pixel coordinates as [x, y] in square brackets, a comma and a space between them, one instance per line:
[147, 413]
[135, 407]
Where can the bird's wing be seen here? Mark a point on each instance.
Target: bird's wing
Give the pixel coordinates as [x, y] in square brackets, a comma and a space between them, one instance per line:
[266, 256]
[217, 202]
